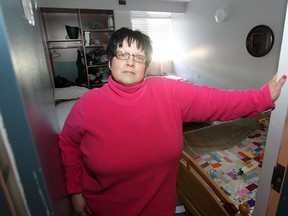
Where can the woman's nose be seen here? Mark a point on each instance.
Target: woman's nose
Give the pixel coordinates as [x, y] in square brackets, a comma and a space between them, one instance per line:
[131, 61]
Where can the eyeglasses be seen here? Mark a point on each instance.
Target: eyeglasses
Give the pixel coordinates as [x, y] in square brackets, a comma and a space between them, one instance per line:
[122, 55]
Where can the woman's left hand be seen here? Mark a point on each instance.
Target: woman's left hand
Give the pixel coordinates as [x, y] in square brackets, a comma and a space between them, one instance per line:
[80, 205]
[276, 86]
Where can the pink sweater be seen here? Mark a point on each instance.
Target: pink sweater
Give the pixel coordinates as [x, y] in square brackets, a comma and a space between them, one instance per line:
[121, 145]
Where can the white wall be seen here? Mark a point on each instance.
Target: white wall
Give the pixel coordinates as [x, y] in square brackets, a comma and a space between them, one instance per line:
[143, 5]
[210, 53]
[122, 19]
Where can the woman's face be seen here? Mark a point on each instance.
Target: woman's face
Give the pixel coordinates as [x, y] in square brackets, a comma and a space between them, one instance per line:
[128, 72]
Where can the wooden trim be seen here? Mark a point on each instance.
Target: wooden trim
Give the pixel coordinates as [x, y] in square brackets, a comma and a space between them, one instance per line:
[197, 191]
[7, 195]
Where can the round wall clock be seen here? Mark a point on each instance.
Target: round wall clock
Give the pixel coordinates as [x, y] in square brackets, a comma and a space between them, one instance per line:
[259, 40]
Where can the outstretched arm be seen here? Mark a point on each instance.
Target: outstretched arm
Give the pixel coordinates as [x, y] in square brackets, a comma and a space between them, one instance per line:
[276, 86]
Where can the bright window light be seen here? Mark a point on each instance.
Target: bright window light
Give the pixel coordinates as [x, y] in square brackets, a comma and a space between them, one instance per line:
[158, 26]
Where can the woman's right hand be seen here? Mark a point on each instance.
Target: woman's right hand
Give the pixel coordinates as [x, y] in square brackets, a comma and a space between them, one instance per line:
[80, 205]
[276, 86]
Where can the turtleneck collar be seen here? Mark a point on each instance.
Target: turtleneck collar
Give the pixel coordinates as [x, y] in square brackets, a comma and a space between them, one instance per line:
[132, 92]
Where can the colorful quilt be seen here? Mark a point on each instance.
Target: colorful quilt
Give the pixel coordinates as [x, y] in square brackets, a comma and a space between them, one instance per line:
[223, 166]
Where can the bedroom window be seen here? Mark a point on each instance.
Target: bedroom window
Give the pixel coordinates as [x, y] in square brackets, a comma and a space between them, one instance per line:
[157, 25]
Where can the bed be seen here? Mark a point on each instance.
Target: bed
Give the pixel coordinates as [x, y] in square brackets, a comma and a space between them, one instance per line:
[65, 98]
[211, 160]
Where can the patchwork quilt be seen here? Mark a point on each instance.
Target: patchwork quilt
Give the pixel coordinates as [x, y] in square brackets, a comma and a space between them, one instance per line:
[223, 166]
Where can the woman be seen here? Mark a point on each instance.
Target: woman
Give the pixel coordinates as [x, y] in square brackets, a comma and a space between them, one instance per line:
[121, 144]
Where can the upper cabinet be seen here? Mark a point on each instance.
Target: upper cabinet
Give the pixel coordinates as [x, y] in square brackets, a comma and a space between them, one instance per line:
[77, 41]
